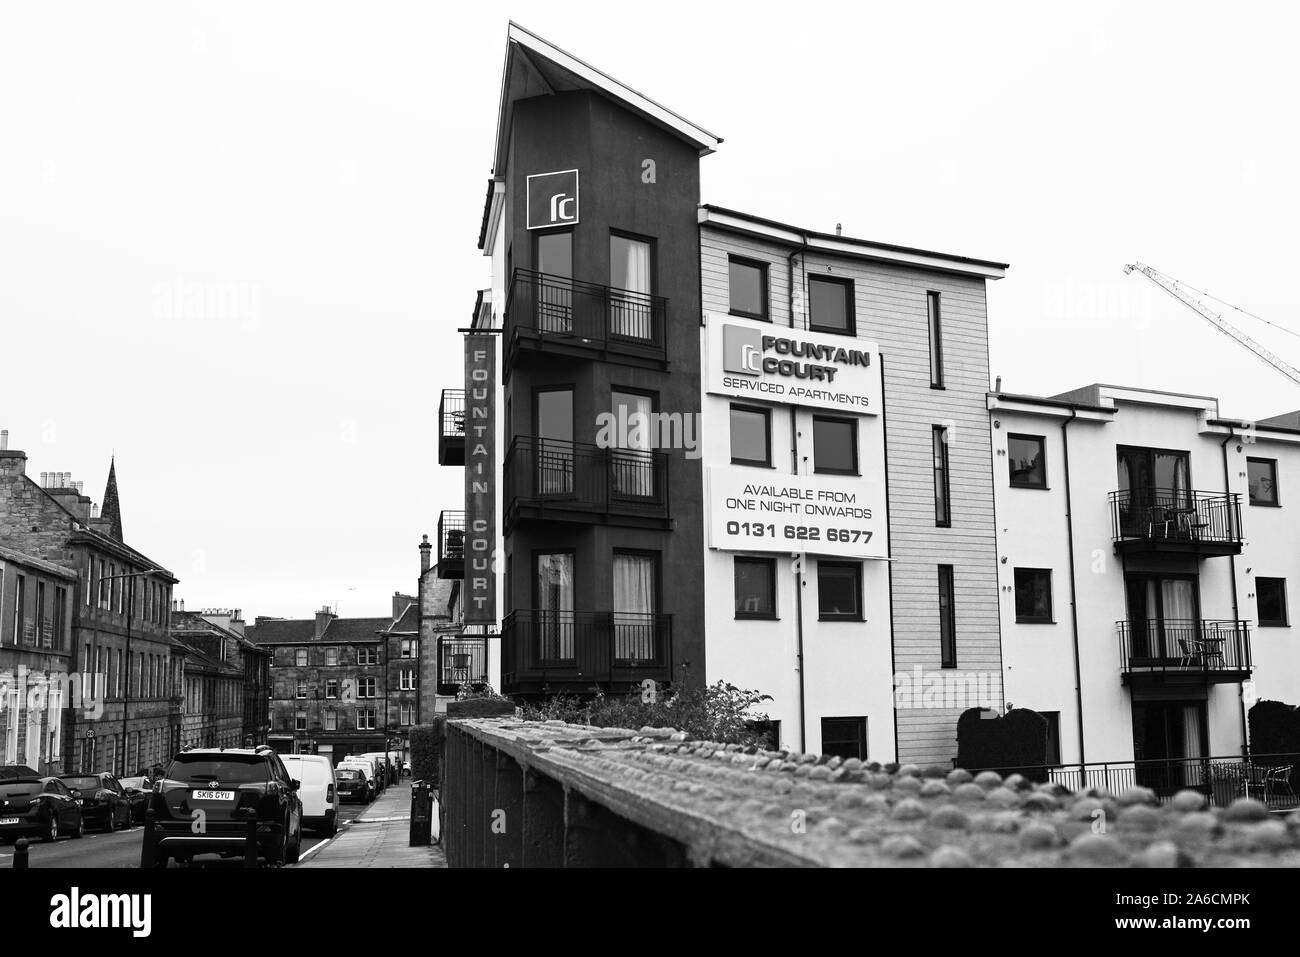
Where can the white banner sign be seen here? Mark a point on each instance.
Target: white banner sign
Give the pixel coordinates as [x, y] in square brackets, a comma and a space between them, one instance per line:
[820, 514]
[768, 363]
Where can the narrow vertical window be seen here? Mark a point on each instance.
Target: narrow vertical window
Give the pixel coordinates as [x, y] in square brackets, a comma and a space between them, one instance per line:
[936, 340]
[947, 624]
[942, 502]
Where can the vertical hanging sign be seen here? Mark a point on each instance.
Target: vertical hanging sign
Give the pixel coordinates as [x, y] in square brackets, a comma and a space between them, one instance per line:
[480, 479]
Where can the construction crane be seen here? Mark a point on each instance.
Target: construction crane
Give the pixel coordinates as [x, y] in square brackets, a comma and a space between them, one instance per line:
[1179, 291]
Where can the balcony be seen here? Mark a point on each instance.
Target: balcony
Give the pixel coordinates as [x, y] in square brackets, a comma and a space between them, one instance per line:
[451, 544]
[1176, 521]
[547, 652]
[574, 482]
[461, 661]
[1183, 651]
[549, 316]
[451, 427]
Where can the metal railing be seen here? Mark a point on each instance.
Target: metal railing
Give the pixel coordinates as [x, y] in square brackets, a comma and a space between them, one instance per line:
[1183, 644]
[451, 536]
[587, 647]
[451, 413]
[461, 661]
[605, 317]
[1271, 778]
[1166, 515]
[575, 476]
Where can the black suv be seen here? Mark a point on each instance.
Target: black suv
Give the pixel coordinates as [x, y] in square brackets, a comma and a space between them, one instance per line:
[205, 800]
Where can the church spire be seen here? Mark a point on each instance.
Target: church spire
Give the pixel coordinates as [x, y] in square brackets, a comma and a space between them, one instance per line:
[112, 512]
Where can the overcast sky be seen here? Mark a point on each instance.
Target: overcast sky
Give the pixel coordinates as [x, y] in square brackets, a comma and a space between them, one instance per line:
[236, 239]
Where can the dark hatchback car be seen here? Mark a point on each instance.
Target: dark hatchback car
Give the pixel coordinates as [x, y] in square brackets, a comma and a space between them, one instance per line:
[104, 802]
[38, 807]
[205, 800]
[352, 786]
[137, 791]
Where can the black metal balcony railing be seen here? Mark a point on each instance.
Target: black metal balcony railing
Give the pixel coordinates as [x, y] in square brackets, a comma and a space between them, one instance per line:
[1183, 645]
[572, 476]
[451, 544]
[1177, 518]
[555, 308]
[587, 648]
[461, 661]
[1271, 778]
[451, 427]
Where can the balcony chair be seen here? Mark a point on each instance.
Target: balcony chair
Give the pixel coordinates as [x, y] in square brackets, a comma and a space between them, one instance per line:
[1193, 652]
[1278, 781]
[1158, 515]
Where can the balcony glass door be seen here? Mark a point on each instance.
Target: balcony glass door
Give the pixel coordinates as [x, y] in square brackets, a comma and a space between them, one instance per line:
[1155, 492]
[553, 290]
[1168, 744]
[1163, 617]
[555, 442]
[632, 461]
[555, 606]
[630, 312]
[635, 604]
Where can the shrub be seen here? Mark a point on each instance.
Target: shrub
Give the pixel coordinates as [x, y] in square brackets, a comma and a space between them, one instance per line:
[1016, 741]
[426, 750]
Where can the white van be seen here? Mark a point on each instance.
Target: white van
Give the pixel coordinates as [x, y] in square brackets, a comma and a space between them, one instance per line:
[317, 790]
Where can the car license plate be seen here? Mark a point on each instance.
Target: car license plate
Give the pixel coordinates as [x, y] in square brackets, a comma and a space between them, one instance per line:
[8, 820]
[214, 795]
[78, 802]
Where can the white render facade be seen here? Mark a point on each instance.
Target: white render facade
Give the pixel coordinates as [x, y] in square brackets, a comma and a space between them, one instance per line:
[1182, 563]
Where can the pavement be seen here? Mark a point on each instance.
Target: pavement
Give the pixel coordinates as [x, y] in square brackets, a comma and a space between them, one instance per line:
[379, 837]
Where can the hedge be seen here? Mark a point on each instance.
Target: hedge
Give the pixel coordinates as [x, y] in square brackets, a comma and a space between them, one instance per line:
[1016, 741]
[426, 750]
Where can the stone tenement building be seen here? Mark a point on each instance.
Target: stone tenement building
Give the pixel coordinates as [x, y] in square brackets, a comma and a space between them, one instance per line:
[226, 679]
[91, 615]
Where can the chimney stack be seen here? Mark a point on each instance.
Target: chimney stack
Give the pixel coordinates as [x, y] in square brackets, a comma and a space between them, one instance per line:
[426, 551]
[4, 439]
[323, 619]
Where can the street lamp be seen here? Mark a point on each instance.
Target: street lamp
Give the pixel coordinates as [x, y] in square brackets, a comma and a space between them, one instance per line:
[130, 611]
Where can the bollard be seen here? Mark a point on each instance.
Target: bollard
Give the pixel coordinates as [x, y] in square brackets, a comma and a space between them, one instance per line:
[421, 814]
[20, 854]
[148, 846]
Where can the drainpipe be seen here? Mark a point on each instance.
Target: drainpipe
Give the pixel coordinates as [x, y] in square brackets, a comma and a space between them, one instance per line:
[1074, 594]
[1236, 612]
[802, 557]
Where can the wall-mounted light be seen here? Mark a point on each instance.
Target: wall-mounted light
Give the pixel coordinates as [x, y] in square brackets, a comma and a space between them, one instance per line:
[997, 423]
[1004, 559]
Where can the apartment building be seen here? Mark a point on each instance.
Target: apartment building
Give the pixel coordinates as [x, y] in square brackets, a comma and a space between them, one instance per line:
[1146, 564]
[225, 679]
[851, 565]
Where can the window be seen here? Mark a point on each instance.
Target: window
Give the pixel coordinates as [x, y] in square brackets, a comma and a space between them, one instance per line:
[20, 600]
[300, 658]
[554, 595]
[755, 587]
[300, 721]
[751, 436]
[936, 340]
[631, 311]
[1027, 461]
[771, 732]
[368, 656]
[1262, 476]
[407, 715]
[1034, 595]
[366, 687]
[60, 617]
[366, 719]
[947, 620]
[1270, 596]
[555, 253]
[302, 688]
[845, 737]
[942, 500]
[747, 288]
[408, 647]
[839, 591]
[636, 602]
[632, 463]
[830, 305]
[835, 445]
[406, 680]
[332, 687]
[331, 657]
[331, 720]
[1053, 737]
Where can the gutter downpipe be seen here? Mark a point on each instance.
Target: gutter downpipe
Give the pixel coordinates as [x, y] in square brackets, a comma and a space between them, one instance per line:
[802, 556]
[1236, 612]
[1074, 593]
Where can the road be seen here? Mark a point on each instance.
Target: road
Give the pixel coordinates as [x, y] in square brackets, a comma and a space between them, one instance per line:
[122, 849]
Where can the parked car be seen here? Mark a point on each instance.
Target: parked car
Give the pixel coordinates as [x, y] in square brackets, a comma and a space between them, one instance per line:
[231, 786]
[317, 790]
[384, 766]
[137, 793]
[353, 785]
[38, 807]
[102, 799]
[367, 774]
[11, 771]
[375, 769]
